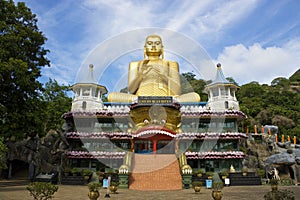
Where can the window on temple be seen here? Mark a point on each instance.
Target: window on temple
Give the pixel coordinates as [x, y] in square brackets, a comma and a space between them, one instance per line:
[84, 105]
[215, 92]
[224, 92]
[226, 104]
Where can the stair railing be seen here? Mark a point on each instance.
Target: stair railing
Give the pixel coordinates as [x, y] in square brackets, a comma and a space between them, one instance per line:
[127, 163]
[185, 168]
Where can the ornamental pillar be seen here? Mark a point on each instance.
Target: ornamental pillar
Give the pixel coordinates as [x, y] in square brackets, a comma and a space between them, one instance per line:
[154, 146]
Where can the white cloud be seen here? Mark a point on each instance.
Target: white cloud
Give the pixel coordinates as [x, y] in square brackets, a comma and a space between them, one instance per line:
[75, 28]
[262, 64]
[214, 18]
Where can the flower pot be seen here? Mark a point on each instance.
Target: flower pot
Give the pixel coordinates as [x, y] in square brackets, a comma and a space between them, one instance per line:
[217, 195]
[113, 188]
[274, 187]
[197, 189]
[93, 195]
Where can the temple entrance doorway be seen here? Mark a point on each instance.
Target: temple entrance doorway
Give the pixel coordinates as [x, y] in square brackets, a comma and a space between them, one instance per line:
[143, 146]
[157, 144]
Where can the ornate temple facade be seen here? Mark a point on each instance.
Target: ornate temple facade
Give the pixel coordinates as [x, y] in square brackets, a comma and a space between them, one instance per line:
[133, 137]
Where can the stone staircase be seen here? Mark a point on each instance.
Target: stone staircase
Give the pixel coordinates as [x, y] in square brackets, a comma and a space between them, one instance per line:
[155, 172]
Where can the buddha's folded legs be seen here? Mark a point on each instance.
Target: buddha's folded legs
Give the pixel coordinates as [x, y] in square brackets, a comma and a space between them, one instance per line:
[188, 97]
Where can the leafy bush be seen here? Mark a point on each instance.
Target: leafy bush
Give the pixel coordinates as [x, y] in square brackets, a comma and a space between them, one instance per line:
[273, 181]
[93, 186]
[75, 171]
[86, 172]
[114, 183]
[225, 172]
[42, 190]
[3, 150]
[280, 195]
[196, 183]
[217, 186]
[261, 173]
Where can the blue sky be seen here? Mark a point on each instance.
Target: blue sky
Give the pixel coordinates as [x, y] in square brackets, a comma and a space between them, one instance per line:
[254, 40]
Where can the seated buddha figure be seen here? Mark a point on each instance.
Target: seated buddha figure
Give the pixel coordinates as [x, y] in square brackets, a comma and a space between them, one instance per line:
[153, 76]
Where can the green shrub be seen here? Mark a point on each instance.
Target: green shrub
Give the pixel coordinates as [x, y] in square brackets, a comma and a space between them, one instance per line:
[273, 181]
[280, 195]
[217, 186]
[114, 183]
[196, 183]
[3, 151]
[94, 186]
[261, 173]
[86, 172]
[42, 190]
[75, 171]
[225, 172]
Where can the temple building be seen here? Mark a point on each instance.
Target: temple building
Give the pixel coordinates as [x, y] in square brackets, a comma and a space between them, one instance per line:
[160, 136]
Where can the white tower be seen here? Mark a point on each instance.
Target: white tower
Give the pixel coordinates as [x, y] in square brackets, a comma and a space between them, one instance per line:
[88, 94]
[221, 93]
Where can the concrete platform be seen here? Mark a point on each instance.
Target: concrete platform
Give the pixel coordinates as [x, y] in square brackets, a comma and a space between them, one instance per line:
[16, 190]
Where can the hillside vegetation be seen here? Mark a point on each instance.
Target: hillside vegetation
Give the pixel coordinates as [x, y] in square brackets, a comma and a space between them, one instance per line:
[276, 104]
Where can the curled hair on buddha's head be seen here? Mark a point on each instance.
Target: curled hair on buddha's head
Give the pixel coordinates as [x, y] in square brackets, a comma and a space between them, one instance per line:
[155, 36]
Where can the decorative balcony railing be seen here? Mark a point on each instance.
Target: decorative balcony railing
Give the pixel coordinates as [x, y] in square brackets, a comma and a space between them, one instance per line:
[215, 155]
[95, 154]
[211, 135]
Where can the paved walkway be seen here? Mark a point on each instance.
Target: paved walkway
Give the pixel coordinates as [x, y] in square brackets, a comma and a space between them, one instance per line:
[15, 190]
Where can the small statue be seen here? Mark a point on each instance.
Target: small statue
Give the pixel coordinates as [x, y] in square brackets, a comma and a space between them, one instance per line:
[231, 170]
[275, 173]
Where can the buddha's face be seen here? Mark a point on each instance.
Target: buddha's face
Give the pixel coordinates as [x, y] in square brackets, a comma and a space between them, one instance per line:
[153, 46]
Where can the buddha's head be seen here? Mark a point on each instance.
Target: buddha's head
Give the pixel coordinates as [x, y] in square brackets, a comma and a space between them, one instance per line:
[153, 46]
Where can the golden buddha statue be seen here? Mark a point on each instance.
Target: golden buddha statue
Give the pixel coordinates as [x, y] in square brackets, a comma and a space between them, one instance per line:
[153, 76]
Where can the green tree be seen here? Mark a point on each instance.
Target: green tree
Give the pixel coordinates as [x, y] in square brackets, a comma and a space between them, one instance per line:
[190, 84]
[277, 104]
[21, 57]
[56, 103]
[3, 150]
[281, 81]
[295, 77]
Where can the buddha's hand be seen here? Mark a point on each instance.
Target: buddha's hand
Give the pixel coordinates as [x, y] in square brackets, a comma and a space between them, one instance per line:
[145, 70]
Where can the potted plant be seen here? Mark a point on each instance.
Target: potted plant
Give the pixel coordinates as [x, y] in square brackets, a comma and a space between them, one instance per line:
[113, 187]
[93, 190]
[244, 171]
[209, 175]
[197, 186]
[67, 171]
[200, 173]
[274, 184]
[261, 173]
[217, 190]
[100, 175]
[75, 171]
[224, 173]
[87, 174]
[42, 190]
